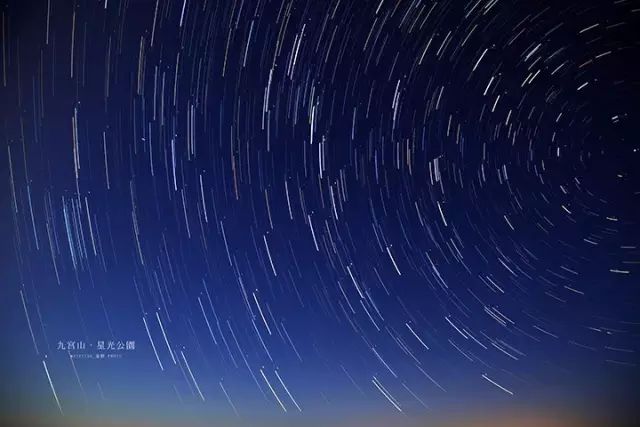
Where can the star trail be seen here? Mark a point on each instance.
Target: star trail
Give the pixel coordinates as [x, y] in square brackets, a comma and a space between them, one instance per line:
[343, 212]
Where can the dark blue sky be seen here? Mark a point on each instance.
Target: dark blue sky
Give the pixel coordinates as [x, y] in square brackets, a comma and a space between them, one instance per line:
[305, 212]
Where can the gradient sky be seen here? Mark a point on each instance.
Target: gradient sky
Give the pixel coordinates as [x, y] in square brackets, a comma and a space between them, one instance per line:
[319, 213]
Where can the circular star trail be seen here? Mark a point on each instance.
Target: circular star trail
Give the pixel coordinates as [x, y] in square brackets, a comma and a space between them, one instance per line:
[309, 210]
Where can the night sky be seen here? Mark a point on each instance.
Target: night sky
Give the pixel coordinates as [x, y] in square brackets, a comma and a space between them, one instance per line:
[309, 213]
